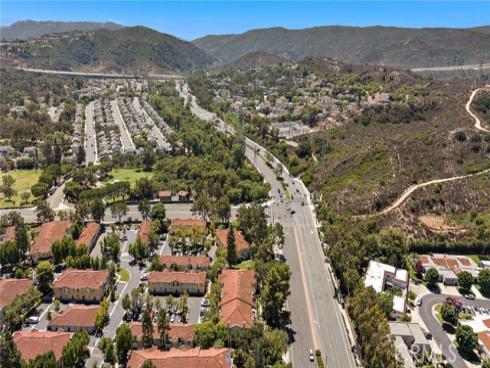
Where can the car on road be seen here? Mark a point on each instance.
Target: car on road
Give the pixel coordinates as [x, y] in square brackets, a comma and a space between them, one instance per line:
[32, 320]
[428, 335]
[144, 277]
[123, 238]
[205, 303]
[302, 203]
[418, 303]
[311, 355]
[469, 296]
[172, 318]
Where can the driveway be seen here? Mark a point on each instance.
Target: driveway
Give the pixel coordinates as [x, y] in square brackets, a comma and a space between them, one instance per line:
[442, 339]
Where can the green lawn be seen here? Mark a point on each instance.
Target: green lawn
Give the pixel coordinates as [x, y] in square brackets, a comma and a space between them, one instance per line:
[245, 265]
[130, 175]
[24, 179]
[124, 274]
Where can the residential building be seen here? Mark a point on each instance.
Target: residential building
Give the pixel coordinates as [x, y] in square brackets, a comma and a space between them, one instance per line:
[241, 245]
[187, 223]
[165, 195]
[185, 358]
[381, 276]
[182, 195]
[89, 235]
[449, 266]
[144, 231]
[31, 344]
[9, 234]
[180, 334]
[82, 286]
[171, 282]
[237, 298]
[11, 288]
[484, 342]
[47, 234]
[188, 263]
[74, 318]
[410, 342]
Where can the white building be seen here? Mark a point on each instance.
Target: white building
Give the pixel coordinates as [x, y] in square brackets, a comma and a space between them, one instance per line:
[381, 277]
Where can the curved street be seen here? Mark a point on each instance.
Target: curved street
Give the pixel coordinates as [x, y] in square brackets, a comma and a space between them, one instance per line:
[448, 350]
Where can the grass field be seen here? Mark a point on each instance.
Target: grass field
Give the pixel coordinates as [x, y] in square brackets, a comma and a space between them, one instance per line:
[24, 179]
[130, 175]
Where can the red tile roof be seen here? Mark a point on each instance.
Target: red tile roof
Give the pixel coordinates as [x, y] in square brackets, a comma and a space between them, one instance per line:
[182, 358]
[9, 234]
[240, 243]
[186, 261]
[177, 331]
[76, 315]
[88, 234]
[34, 343]
[164, 193]
[486, 322]
[237, 302]
[464, 261]
[10, 288]
[180, 277]
[187, 223]
[48, 233]
[484, 337]
[424, 259]
[144, 231]
[77, 279]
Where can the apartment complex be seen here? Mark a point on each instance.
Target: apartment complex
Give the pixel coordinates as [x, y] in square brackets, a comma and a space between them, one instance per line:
[410, 342]
[89, 235]
[179, 335]
[195, 358]
[241, 245]
[47, 234]
[200, 263]
[237, 298]
[31, 344]
[10, 289]
[84, 286]
[176, 283]
[74, 318]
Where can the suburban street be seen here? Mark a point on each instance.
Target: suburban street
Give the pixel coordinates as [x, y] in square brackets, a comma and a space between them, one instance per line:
[126, 140]
[448, 350]
[317, 321]
[90, 135]
[161, 141]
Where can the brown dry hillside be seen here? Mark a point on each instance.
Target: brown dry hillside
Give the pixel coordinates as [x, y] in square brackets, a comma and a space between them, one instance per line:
[369, 166]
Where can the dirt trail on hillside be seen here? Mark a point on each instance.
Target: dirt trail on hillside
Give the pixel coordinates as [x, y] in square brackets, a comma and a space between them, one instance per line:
[414, 187]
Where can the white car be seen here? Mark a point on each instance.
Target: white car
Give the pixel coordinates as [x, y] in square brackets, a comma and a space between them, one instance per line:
[32, 320]
[312, 356]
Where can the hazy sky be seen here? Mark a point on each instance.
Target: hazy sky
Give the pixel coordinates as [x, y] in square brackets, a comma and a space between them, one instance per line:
[189, 20]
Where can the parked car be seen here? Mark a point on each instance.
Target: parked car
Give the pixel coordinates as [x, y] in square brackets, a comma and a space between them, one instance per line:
[32, 320]
[144, 277]
[428, 335]
[205, 303]
[312, 356]
[418, 303]
[469, 296]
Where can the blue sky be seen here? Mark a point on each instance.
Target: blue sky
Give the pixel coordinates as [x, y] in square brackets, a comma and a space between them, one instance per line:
[188, 20]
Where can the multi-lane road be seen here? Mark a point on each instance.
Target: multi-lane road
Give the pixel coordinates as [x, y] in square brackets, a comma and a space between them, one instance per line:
[317, 320]
[90, 135]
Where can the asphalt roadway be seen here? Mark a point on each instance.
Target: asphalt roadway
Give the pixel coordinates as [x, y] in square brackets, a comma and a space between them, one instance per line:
[90, 135]
[317, 322]
[448, 350]
[126, 140]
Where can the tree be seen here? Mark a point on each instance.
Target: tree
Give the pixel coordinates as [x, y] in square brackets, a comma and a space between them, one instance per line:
[9, 254]
[25, 196]
[44, 276]
[431, 277]
[231, 253]
[147, 329]
[465, 280]
[47, 360]
[138, 249]
[274, 294]
[102, 316]
[80, 155]
[75, 352]
[119, 209]
[144, 208]
[485, 363]
[163, 326]
[97, 210]
[44, 211]
[123, 342]
[466, 339]
[22, 238]
[148, 157]
[148, 364]
[449, 314]
[484, 281]
[109, 353]
[126, 302]
[184, 307]
[9, 355]
[208, 333]
[40, 190]
[385, 301]
[7, 187]
[158, 212]
[223, 209]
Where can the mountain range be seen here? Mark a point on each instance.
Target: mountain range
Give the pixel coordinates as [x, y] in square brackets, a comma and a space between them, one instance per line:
[398, 47]
[132, 50]
[25, 29]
